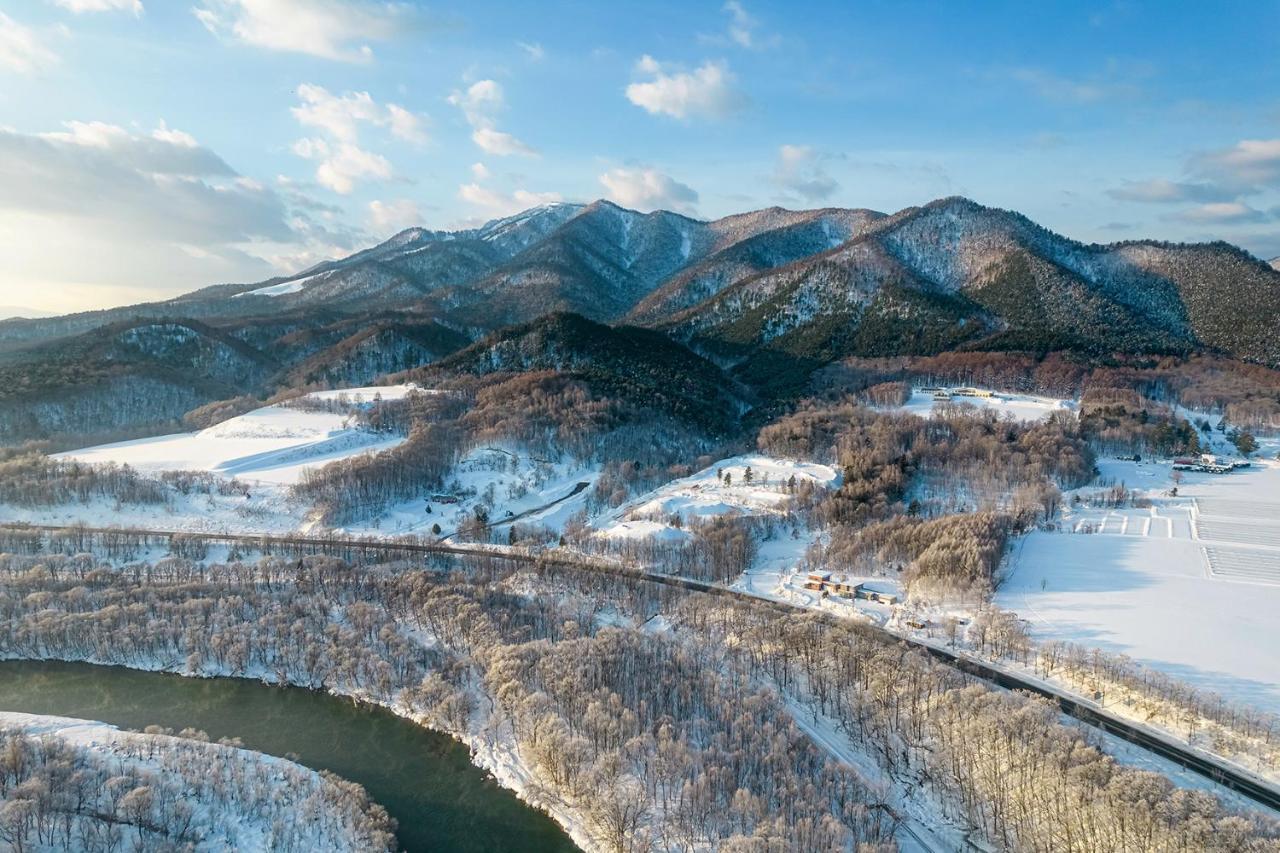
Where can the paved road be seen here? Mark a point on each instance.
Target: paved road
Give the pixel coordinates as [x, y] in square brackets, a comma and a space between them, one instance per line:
[1218, 771]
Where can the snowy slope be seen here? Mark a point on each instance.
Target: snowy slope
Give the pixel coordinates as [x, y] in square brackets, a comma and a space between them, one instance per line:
[704, 495]
[271, 445]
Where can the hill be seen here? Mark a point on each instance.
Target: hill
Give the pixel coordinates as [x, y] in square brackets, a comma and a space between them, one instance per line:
[640, 367]
[954, 274]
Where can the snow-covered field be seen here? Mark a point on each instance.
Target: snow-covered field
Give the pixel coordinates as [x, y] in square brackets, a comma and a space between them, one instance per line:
[1190, 585]
[271, 445]
[757, 485]
[1022, 407]
[267, 450]
[512, 483]
[241, 800]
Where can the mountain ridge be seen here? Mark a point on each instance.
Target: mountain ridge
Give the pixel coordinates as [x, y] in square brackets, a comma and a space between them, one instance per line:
[769, 295]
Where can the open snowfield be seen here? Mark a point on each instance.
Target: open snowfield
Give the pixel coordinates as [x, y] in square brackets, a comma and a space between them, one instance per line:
[1022, 407]
[705, 495]
[267, 450]
[1190, 585]
[273, 445]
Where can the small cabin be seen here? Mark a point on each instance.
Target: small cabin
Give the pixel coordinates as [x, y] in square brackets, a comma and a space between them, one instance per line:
[443, 499]
[819, 577]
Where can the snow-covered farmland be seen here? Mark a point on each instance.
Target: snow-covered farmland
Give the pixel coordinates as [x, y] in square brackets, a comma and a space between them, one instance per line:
[1189, 585]
[1022, 407]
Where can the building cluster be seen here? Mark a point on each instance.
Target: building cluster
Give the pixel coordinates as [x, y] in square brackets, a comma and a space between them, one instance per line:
[1208, 463]
[823, 582]
[949, 393]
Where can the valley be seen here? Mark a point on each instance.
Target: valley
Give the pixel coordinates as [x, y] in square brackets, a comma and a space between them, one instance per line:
[699, 500]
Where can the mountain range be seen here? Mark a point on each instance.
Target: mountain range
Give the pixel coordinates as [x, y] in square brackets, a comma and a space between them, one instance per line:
[768, 296]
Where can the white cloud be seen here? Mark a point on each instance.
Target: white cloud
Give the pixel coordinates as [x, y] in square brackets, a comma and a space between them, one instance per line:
[500, 144]
[705, 92]
[741, 24]
[648, 189]
[341, 115]
[122, 181]
[1160, 191]
[533, 50]
[346, 164]
[395, 215]
[1248, 164]
[113, 215]
[81, 6]
[341, 160]
[173, 136]
[480, 171]
[405, 125]
[164, 152]
[1221, 213]
[496, 203]
[480, 104]
[21, 49]
[331, 29]
[800, 173]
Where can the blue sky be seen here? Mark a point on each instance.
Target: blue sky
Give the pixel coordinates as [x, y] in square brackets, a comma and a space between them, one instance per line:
[148, 147]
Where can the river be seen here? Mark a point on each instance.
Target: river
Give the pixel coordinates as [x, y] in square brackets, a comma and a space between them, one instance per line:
[423, 778]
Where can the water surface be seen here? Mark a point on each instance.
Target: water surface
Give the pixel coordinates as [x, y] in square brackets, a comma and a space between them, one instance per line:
[423, 778]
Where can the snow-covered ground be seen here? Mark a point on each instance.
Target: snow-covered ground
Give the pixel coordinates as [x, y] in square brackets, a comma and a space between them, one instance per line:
[272, 445]
[267, 450]
[284, 288]
[513, 484]
[370, 394]
[762, 491]
[1189, 585]
[1022, 407]
[276, 804]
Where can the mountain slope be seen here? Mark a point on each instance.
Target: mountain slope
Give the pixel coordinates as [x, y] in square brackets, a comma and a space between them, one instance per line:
[628, 363]
[748, 244]
[123, 377]
[599, 264]
[956, 274]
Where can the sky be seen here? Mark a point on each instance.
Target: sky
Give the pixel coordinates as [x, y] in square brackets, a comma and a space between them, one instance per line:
[150, 147]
